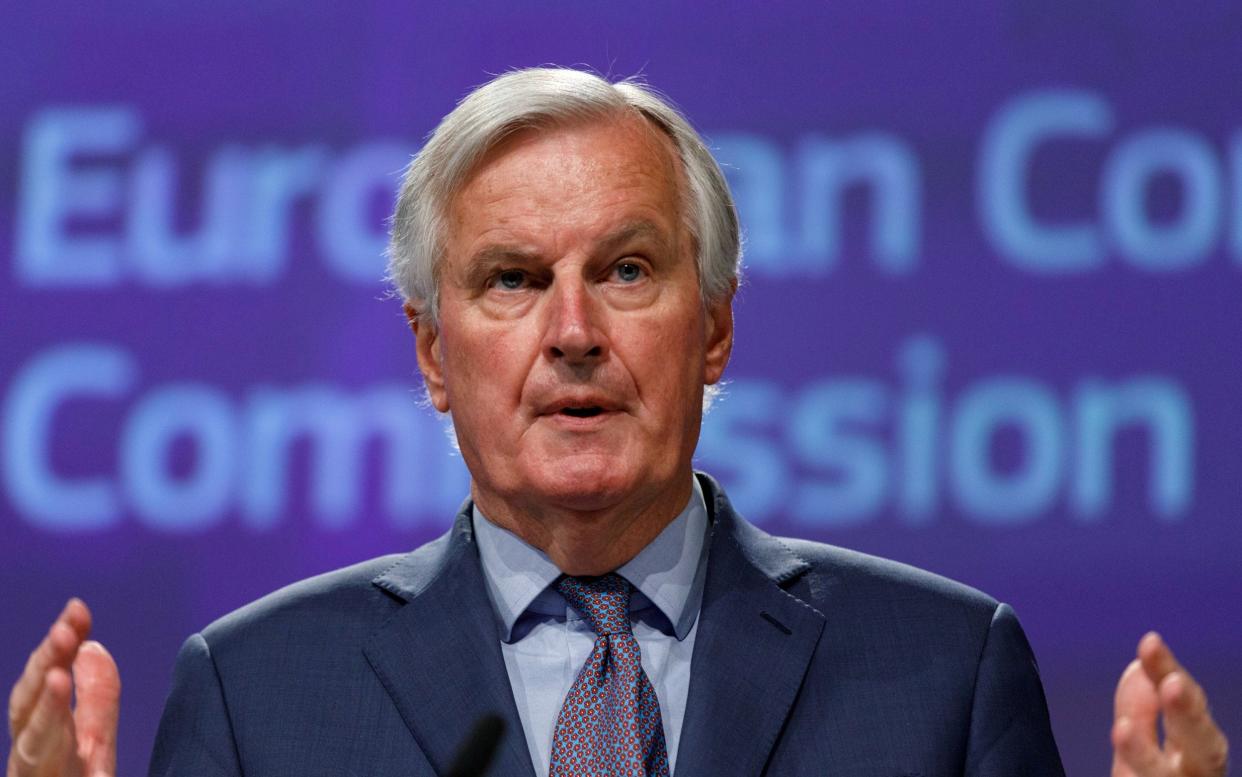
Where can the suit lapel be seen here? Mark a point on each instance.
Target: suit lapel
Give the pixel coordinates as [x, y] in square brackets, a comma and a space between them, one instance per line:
[751, 651]
[439, 657]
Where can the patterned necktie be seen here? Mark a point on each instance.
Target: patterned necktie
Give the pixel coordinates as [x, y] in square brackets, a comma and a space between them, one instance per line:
[610, 723]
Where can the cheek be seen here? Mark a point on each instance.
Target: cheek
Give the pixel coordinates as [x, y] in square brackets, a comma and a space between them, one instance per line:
[672, 362]
[485, 364]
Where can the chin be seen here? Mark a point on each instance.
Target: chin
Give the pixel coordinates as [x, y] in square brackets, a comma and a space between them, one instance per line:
[587, 483]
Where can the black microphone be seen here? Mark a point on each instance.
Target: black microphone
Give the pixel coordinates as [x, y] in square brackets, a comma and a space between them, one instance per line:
[476, 750]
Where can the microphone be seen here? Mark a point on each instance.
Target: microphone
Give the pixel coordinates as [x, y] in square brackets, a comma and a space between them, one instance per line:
[477, 749]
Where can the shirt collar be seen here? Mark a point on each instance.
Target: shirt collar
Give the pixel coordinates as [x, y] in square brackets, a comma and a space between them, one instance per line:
[668, 573]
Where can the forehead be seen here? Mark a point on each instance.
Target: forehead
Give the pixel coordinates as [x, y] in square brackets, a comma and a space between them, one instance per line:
[572, 178]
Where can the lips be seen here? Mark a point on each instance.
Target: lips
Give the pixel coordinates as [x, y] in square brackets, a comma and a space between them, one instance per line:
[578, 406]
[582, 412]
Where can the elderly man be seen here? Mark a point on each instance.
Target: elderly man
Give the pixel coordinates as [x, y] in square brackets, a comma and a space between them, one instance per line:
[568, 253]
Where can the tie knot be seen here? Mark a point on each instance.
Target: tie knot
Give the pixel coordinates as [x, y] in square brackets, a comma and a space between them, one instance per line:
[603, 601]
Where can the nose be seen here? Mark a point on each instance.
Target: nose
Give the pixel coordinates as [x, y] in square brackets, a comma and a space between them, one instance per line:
[573, 333]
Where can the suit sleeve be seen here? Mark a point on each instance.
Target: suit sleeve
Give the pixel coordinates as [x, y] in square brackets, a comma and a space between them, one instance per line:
[1010, 733]
[195, 737]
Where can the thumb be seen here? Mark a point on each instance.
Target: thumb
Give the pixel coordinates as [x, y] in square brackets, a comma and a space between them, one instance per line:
[97, 685]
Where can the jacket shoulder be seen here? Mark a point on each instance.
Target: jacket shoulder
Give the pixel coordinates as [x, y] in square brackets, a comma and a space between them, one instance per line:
[880, 594]
[892, 617]
[843, 571]
[337, 608]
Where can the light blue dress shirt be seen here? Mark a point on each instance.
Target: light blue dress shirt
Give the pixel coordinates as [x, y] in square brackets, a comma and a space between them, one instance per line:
[545, 641]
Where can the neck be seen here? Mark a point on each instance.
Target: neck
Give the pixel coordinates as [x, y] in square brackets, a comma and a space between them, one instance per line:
[587, 542]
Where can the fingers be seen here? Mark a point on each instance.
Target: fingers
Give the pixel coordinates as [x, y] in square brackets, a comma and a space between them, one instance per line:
[1137, 701]
[57, 650]
[41, 720]
[46, 745]
[1157, 659]
[1187, 721]
[97, 686]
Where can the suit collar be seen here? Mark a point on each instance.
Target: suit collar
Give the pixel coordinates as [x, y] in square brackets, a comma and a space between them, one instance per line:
[754, 645]
[769, 555]
[439, 656]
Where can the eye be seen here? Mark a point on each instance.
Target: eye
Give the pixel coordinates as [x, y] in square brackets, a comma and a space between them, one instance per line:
[509, 280]
[628, 272]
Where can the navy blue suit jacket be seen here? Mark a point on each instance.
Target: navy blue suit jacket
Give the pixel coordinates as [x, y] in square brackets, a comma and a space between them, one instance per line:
[809, 660]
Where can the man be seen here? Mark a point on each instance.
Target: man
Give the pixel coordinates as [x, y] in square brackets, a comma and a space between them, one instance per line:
[568, 254]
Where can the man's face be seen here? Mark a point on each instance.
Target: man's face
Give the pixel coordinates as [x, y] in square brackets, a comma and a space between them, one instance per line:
[573, 344]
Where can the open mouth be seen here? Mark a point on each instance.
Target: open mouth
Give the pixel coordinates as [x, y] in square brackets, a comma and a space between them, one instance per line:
[582, 412]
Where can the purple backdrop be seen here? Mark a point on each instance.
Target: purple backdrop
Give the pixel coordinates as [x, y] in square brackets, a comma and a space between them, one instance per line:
[990, 324]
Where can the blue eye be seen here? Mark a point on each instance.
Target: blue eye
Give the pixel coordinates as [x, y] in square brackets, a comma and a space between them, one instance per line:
[511, 280]
[628, 272]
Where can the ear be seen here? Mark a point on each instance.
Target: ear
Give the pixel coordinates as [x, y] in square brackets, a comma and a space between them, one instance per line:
[719, 336]
[427, 346]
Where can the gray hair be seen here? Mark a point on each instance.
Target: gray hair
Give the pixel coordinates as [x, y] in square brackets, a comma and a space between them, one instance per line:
[541, 97]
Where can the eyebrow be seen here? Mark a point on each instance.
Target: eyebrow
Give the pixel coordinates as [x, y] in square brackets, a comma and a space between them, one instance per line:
[634, 230]
[487, 259]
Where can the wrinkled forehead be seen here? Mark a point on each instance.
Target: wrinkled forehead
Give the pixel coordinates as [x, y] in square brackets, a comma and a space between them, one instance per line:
[543, 169]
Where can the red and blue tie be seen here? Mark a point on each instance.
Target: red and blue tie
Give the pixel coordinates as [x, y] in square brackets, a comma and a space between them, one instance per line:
[610, 723]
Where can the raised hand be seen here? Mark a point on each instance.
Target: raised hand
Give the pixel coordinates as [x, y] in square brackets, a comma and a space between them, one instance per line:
[50, 735]
[1155, 685]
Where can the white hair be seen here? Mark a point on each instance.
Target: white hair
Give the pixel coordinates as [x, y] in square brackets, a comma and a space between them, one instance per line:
[538, 98]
